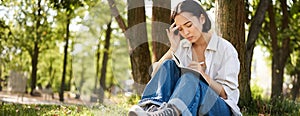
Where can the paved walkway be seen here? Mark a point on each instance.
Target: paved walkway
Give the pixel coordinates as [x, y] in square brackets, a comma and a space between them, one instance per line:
[44, 99]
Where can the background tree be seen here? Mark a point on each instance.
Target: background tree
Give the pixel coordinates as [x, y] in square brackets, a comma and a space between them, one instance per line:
[293, 63]
[104, 61]
[230, 22]
[35, 54]
[254, 30]
[280, 44]
[161, 12]
[69, 7]
[32, 18]
[138, 41]
[136, 36]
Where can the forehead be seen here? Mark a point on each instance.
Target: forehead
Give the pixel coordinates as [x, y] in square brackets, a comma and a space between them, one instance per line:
[183, 17]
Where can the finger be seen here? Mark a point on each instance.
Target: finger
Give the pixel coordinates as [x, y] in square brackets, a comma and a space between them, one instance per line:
[172, 25]
[192, 64]
[168, 32]
[175, 28]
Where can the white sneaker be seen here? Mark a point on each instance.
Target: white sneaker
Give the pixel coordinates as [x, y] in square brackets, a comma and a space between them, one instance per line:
[165, 110]
[136, 110]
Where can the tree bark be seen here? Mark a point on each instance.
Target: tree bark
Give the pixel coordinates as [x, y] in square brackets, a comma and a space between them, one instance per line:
[280, 54]
[104, 62]
[35, 55]
[136, 35]
[138, 43]
[65, 62]
[161, 11]
[34, 62]
[230, 21]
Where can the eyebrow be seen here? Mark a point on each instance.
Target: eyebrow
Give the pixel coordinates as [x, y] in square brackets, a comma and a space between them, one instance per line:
[186, 22]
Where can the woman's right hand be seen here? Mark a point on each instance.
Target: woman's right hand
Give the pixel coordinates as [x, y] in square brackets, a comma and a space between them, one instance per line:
[173, 38]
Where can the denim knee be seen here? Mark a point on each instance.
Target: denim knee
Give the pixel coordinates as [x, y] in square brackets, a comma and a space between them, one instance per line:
[188, 76]
[168, 63]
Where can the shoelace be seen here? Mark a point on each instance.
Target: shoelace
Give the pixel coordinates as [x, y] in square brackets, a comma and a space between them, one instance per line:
[164, 110]
[152, 108]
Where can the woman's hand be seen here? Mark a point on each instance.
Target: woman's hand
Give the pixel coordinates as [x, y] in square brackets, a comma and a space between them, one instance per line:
[200, 67]
[173, 38]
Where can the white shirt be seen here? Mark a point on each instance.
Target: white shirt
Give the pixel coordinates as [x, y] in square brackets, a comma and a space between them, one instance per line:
[222, 63]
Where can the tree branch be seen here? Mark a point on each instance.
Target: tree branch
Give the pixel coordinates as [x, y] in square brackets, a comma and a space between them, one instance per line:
[257, 23]
[115, 13]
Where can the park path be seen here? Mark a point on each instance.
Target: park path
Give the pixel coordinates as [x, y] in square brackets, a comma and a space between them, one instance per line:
[18, 98]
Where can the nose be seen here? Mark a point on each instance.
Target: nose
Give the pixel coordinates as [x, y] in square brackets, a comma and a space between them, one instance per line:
[186, 31]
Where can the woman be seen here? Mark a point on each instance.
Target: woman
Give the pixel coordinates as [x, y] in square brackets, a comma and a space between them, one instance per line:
[174, 91]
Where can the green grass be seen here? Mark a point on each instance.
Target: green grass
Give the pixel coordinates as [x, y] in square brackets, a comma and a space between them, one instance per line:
[8, 109]
[121, 104]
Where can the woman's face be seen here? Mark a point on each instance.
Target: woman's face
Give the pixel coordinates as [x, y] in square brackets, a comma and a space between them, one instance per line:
[190, 27]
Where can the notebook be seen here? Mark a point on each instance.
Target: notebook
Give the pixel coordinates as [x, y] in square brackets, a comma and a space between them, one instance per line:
[185, 69]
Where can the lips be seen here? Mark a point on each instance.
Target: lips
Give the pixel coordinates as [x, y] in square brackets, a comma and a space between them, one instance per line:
[190, 38]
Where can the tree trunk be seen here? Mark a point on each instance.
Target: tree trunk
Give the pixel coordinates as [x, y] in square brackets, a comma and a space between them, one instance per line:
[136, 35]
[104, 62]
[97, 64]
[255, 27]
[62, 86]
[161, 11]
[280, 54]
[34, 62]
[230, 22]
[35, 55]
[51, 71]
[138, 43]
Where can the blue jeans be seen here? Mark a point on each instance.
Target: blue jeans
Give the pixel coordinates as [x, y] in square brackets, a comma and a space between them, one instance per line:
[186, 91]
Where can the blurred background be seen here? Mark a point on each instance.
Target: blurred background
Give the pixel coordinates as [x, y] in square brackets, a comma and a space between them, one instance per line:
[97, 52]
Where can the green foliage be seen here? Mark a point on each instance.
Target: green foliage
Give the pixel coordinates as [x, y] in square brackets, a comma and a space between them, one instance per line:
[278, 107]
[261, 105]
[266, 106]
[133, 99]
[256, 91]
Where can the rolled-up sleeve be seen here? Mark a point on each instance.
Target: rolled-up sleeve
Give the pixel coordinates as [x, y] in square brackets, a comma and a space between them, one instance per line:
[227, 75]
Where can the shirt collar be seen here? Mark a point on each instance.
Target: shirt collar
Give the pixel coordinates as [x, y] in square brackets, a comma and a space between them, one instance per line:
[213, 43]
[186, 44]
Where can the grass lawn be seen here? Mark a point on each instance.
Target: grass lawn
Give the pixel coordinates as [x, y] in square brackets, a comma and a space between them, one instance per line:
[9, 109]
[115, 106]
[119, 106]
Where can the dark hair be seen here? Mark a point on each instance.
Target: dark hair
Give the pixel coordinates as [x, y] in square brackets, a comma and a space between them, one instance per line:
[192, 7]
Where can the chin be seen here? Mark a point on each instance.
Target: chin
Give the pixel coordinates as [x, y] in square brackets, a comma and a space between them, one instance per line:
[191, 41]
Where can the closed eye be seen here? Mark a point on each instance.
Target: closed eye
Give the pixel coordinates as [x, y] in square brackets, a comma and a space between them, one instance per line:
[186, 24]
[189, 24]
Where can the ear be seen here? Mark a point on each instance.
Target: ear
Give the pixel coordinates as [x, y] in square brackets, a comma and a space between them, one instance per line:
[202, 19]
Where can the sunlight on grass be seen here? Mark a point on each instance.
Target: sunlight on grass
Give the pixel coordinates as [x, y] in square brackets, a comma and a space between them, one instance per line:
[114, 106]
